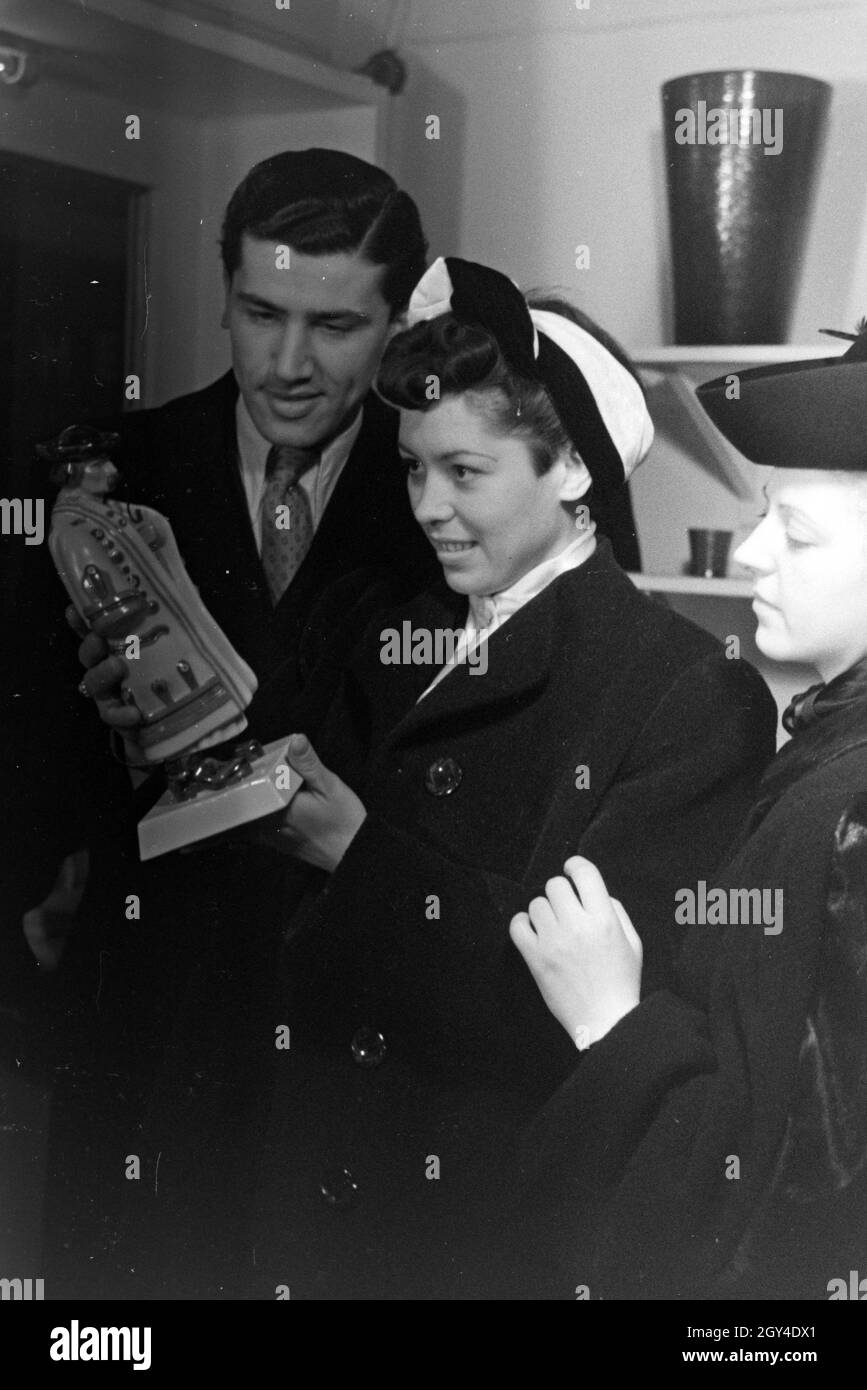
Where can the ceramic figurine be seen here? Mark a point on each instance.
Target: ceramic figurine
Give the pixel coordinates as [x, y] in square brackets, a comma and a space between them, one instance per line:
[123, 572]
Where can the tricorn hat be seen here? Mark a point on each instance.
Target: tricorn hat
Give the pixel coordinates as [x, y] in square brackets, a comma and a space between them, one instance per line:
[797, 414]
[78, 444]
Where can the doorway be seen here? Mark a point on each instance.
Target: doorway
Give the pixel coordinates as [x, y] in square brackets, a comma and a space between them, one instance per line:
[67, 242]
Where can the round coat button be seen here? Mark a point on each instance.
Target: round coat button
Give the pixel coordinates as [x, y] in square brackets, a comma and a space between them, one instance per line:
[443, 777]
[368, 1047]
[338, 1187]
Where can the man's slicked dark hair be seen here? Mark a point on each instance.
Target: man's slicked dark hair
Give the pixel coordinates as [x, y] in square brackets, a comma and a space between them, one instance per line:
[321, 202]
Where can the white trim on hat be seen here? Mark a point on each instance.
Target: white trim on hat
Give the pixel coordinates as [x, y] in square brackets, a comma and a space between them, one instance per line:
[432, 295]
[618, 395]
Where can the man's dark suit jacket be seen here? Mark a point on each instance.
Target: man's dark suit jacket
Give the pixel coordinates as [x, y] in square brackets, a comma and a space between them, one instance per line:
[182, 459]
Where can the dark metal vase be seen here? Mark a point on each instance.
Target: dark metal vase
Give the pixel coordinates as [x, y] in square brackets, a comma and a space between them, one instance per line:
[738, 215]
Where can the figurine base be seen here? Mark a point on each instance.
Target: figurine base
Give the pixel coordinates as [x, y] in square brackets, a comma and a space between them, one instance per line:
[172, 824]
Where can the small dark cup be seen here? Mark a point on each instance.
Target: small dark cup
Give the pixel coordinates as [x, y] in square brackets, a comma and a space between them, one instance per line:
[709, 552]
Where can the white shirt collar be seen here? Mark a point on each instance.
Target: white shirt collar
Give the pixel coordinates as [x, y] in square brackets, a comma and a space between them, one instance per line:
[488, 611]
[319, 482]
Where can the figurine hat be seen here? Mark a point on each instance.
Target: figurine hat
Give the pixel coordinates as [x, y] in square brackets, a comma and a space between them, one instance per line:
[78, 444]
[797, 414]
[599, 403]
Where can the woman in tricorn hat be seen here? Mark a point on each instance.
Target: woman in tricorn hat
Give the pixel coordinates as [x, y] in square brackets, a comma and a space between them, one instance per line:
[713, 1141]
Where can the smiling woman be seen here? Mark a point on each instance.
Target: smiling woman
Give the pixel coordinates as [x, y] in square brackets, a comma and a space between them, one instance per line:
[442, 789]
[440, 792]
[496, 450]
[489, 514]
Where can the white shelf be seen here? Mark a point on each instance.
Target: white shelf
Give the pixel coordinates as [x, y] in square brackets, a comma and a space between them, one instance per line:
[728, 460]
[753, 354]
[693, 584]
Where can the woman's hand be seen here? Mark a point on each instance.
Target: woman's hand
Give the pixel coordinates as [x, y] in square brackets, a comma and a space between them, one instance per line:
[582, 951]
[324, 817]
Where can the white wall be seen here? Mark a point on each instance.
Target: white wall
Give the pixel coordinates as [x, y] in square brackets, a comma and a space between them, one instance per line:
[554, 139]
[550, 140]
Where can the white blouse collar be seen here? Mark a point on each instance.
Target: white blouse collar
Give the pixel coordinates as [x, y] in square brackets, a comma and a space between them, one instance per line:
[490, 610]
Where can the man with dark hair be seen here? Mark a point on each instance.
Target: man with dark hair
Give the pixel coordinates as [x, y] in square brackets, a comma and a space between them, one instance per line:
[346, 205]
[320, 252]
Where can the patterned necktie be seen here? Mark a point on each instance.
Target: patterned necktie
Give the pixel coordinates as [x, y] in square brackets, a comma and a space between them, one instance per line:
[287, 521]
